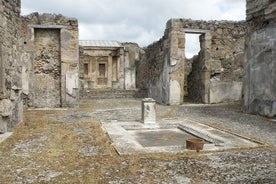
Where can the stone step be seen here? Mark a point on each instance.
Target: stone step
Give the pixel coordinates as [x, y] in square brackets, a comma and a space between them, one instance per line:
[107, 94]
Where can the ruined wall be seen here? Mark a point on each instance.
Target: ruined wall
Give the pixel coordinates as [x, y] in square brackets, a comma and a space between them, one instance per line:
[154, 71]
[259, 86]
[51, 60]
[142, 68]
[219, 74]
[133, 54]
[11, 106]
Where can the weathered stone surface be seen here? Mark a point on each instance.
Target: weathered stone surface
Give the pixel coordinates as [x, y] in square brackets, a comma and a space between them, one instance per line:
[50, 52]
[148, 111]
[6, 107]
[260, 11]
[72, 88]
[259, 84]
[225, 91]
[10, 65]
[221, 57]
[133, 54]
[260, 73]
[175, 92]
[25, 81]
[3, 126]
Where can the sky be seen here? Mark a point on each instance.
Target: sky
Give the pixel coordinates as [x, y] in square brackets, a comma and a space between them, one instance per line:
[139, 21]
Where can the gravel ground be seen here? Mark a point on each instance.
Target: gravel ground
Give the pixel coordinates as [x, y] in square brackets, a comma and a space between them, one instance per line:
[70, 147]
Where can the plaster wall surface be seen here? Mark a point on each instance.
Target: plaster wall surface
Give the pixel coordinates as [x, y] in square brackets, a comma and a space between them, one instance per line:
[259, 84]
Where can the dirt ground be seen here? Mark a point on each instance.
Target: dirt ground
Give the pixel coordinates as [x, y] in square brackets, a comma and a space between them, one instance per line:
[69, 146]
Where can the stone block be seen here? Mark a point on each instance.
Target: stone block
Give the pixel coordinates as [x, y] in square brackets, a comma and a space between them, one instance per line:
[6, 107]
[72, 82]
[175, 93]
[148, 111]
[225, 91]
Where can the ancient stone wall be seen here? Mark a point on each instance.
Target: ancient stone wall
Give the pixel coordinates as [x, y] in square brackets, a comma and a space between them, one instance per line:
[142, 68]
[259, 84]
[260, 13]
[51, 60]
[219, 76]
[153, 70]
[11, 106]
[133, 54]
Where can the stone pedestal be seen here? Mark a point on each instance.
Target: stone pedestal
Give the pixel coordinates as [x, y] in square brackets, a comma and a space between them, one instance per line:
[148, 111]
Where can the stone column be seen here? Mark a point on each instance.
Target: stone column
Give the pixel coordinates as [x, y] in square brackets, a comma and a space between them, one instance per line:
[148, 111]
[108, 69]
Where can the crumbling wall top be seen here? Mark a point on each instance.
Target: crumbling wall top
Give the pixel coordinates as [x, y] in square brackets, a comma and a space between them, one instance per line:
[258, 11]
[50, 19]
[200, 24]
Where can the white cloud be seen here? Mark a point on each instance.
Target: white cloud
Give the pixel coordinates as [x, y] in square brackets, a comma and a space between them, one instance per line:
[141, 21]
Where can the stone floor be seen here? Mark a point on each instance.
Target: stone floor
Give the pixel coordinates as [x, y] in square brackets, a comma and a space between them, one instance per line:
[227, 117]
[68, 146]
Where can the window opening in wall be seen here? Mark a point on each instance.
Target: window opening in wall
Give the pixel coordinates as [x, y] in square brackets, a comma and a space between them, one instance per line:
[102, 70]
[192, 45]
[85, 68]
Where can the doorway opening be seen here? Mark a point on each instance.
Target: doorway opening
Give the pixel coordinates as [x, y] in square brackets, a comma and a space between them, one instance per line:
[102, 74]
[197, 77]
[192, 51]
[192, 45]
